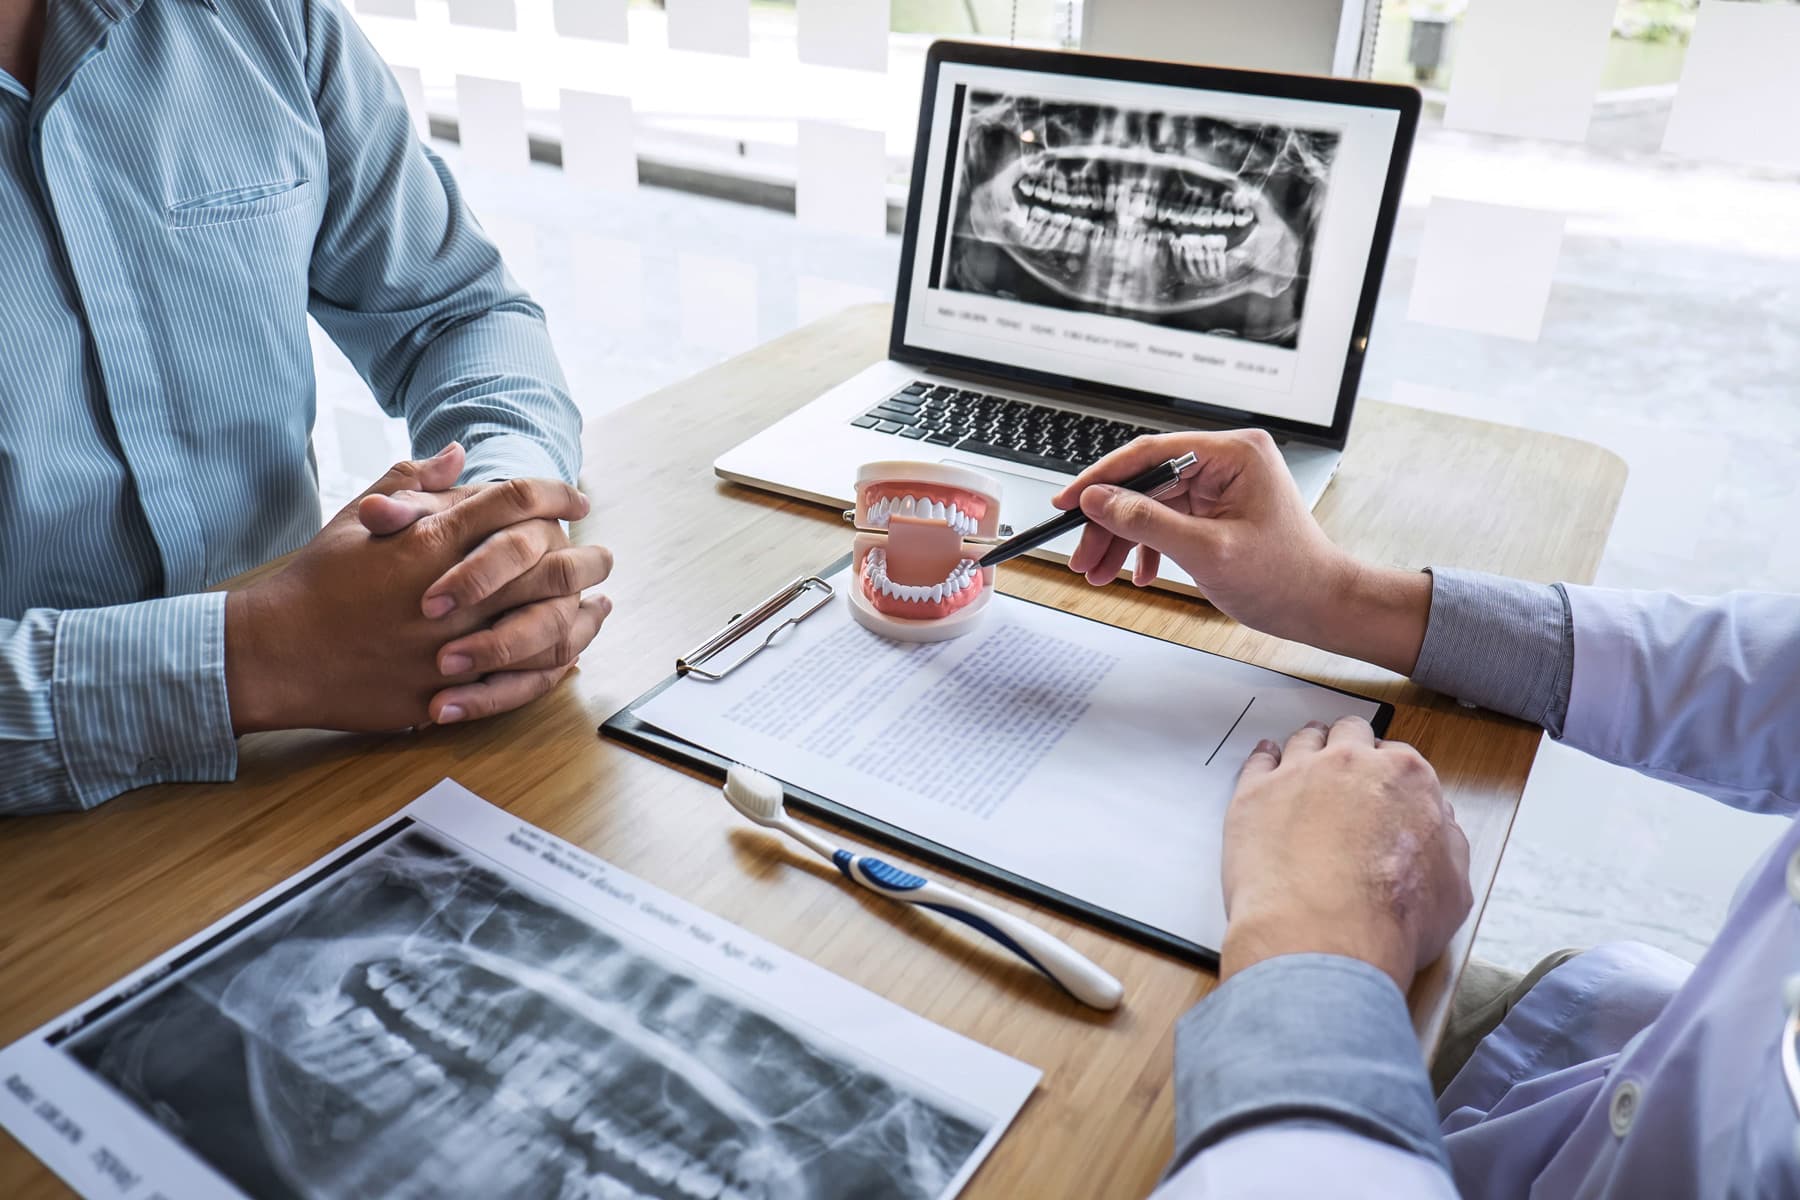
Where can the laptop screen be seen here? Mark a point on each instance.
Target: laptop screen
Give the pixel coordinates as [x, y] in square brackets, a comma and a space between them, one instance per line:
[1206, 250]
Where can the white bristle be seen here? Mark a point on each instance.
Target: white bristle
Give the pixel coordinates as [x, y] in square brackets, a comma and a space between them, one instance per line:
[754, 794]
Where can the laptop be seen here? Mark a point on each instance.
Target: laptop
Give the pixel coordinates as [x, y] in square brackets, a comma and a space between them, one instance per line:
[1098, 248]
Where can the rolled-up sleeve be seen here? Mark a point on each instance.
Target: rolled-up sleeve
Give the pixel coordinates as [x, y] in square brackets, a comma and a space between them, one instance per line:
[1314, 1037]
[411, 289]
[1502, 644]
[1304, 1160]
[94, 702]
[1699, 691]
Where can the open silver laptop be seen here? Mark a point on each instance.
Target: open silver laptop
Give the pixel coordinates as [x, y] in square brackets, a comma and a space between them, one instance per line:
[1097, 248]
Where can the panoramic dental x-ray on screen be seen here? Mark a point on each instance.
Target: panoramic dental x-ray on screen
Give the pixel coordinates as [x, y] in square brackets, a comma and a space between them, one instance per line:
[1186, 221]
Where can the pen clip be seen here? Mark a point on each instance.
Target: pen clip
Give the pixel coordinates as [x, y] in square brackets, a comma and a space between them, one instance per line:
[1180, 467]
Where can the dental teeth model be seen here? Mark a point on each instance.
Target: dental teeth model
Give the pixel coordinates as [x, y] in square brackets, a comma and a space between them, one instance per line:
[916, 573]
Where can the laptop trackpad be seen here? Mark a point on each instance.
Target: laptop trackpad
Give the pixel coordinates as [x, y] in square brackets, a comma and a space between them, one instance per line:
[1024, 501]
[986, 464]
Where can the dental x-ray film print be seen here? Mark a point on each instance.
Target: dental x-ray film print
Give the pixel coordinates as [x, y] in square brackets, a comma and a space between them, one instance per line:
[424, 1024]
[1185, 221]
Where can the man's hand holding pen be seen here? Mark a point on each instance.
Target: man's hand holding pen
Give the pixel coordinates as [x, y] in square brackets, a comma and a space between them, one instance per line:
[1238, 525]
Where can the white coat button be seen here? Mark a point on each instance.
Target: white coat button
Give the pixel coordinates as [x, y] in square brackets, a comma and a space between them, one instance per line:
[1793, 876]
[1624, 1108]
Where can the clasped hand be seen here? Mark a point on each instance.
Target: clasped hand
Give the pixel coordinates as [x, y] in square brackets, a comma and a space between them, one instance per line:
[420, 602]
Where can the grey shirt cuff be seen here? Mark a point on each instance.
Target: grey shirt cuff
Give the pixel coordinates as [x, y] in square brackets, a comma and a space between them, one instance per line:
[1500, 643]
[1309, 1037]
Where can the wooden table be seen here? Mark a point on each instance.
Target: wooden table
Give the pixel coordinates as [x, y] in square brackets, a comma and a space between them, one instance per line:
[88, 897]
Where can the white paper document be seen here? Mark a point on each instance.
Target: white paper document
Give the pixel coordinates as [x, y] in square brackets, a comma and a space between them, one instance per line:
[603, 20]
[709, 26]
[484, 14]
[1084, 757]
[1486, 268]
[457, 1004]
[403, 9]
[599, 146]
[1529, 68]
[843, 33]
[841, 178]
[412, 87]
[1737, 100]
[490, 120]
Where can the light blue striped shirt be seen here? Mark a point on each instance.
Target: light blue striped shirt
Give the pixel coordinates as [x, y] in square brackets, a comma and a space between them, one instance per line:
[187, 181]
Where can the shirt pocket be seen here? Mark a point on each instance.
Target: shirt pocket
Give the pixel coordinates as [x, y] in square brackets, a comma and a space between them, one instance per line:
[238, 204]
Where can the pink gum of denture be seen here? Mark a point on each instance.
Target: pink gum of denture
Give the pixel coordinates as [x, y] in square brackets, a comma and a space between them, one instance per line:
[915, 575]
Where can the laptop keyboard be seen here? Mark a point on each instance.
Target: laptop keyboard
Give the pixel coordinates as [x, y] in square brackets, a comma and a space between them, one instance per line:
[1017, 431]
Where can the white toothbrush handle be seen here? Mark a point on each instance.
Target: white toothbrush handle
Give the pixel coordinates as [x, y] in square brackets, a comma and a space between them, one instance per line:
[1061, 962]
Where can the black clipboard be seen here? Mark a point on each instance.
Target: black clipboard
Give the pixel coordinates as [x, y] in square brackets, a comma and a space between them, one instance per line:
[624, 726]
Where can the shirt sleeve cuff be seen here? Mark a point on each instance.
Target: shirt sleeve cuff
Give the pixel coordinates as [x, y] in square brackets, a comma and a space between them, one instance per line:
[1504, 644]
[1309, 1036]
[139, 695]
[508, 456]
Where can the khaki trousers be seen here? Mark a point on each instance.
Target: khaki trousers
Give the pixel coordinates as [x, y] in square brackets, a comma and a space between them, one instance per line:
[1484, 995]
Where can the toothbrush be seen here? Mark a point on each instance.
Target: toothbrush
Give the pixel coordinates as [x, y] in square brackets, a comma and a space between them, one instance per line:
[760, 798]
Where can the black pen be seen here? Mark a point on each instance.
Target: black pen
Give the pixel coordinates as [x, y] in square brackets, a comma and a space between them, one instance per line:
[1155, 482]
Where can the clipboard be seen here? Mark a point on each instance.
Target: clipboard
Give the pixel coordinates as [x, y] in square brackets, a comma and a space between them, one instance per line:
[709, 661]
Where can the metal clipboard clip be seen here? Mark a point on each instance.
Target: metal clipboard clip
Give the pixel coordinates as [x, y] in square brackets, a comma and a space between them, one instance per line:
[743, 623]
